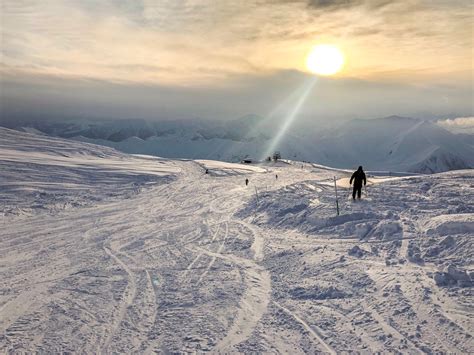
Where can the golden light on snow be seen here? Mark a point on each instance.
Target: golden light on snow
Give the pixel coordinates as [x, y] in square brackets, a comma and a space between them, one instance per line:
[325, 59]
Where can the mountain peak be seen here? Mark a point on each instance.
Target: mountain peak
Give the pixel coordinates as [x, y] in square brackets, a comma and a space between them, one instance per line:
[249, 118]
[399, 118]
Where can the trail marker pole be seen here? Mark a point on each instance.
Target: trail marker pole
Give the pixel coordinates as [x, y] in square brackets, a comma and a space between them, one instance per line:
[337, 200]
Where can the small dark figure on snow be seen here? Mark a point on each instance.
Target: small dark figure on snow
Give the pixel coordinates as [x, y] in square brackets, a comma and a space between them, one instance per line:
[207, 171]
[358, 177]
[276, 176]
[246, 182]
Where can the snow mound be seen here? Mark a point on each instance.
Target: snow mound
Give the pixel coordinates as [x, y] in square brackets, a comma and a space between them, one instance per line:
[317, 293]
[453, 276]
[357, 252]
[452, 224]
[387, 230]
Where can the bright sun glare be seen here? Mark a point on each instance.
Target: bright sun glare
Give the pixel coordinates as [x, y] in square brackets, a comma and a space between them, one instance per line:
[325, 59]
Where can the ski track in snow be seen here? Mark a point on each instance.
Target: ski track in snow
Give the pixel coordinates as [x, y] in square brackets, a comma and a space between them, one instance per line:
[193, 262]
[314, 332]
[254, 302]
[128, 298]
[213, 260]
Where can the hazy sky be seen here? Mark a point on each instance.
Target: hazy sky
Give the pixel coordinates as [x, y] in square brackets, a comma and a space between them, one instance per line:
[224, 59]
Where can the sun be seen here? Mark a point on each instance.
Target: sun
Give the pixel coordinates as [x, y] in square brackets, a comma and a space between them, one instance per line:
[325, 59]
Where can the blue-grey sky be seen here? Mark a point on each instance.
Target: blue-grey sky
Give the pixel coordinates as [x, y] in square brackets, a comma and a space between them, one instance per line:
[223, 59]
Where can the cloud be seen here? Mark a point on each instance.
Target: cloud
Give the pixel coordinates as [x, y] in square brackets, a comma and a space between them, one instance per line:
[235, 56]
[458, 125]
[189, 39]
[337, 4]
[332, 3]
[322, 4]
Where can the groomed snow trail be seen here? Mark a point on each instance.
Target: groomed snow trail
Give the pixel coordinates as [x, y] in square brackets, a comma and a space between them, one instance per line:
[97, 264]
[133, 254]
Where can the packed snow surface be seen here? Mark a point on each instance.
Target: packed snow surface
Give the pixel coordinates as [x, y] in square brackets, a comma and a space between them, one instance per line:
[103, 252]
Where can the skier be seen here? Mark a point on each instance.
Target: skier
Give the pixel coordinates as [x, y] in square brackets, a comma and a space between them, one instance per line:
[276, 176]
[207, 171]
[358, 177]
[246, 182]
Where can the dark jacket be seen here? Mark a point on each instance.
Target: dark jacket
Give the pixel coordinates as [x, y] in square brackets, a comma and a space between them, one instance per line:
[358, 177]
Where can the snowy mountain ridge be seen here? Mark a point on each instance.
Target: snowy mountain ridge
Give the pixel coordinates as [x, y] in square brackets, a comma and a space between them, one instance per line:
[393, 143]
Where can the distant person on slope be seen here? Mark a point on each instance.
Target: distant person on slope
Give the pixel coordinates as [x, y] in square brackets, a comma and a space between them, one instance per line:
[246, 182]
[358, 177]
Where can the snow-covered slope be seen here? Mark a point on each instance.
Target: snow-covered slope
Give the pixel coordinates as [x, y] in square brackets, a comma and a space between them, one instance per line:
[393, 143]
[199, 262]
[43, 173]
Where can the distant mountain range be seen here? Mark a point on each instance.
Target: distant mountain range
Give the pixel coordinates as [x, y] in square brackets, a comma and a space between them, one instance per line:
[393, 143]
[397, 143]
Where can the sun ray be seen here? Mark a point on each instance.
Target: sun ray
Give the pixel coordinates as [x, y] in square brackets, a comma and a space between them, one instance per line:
[306, 89]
